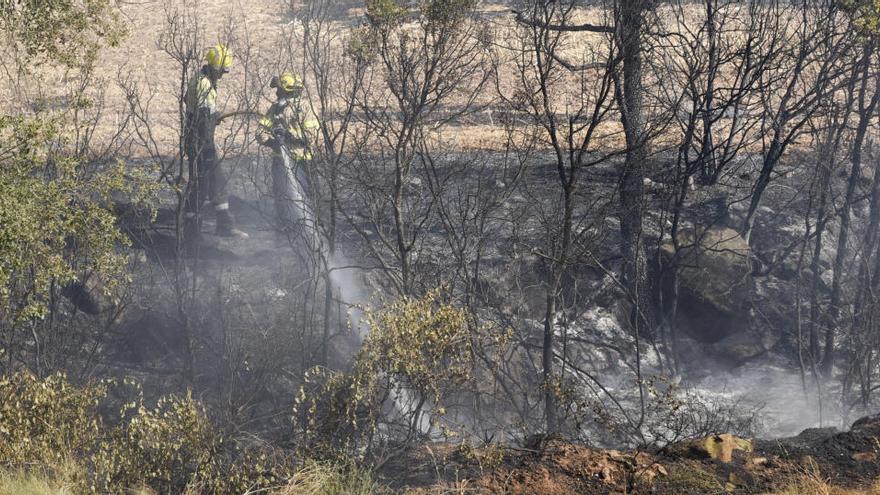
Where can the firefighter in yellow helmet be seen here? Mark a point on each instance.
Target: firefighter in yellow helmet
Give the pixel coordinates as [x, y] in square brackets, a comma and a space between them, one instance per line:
[290, 132]
[207, 178]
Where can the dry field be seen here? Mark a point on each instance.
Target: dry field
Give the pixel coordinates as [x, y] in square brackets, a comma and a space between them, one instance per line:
[264, 36]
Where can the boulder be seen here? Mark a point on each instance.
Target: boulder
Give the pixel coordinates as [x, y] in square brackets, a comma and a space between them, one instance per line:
[718, 447]
[868, 423]
[715, 282]
[739, 347]
[88, 294]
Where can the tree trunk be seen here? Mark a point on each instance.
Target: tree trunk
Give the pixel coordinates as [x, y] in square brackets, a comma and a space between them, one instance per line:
[707, 152]
[761, 184]
[821, 221]
[547, 362]
[866, 111]
[632, 191]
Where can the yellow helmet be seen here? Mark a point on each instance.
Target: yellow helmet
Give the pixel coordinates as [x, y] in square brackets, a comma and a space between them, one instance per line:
[219, 58]
[290, 82]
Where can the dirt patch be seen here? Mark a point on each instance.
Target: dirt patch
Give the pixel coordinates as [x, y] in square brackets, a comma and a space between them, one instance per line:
[847, 459]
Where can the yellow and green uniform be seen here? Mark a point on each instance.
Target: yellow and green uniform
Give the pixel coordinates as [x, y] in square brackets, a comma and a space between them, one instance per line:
[290, 133]
[201, 94]
[207, 177]
[288, 123]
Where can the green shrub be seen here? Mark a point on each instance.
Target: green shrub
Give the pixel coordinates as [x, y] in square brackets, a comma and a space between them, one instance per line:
[447, 12]
[385, 14]
[48, 201]
[50, 430]
[174, 447]
[418, 348]
[166, 447]
[47, 422]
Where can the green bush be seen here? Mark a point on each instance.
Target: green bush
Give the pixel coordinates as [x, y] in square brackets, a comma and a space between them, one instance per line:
[167, 447]
[385, 14]
[54, 220]
[64, 32]
[50, 430]
[420, 348]
[47, 203]
[47, 422]
[447, 12]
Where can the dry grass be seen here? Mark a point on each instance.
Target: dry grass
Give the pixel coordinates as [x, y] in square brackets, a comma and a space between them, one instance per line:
[810, 481]
[56, 482]
[313, 479]
[264, 26]
[18, 483]
[317, 478]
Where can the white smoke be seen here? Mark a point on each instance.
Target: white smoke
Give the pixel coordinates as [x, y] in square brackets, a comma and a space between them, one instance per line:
[788, 404]
[350, 289]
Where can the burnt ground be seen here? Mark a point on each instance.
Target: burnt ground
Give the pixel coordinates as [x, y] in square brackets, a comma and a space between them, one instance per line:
[249, 353]
[847, 459]
[241, 302]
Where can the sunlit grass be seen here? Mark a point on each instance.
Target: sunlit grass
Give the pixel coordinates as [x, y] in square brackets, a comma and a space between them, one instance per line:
[22, 483]
[317, 478]
[809, 481]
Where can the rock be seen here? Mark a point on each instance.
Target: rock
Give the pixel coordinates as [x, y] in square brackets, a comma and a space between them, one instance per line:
[864, 456]
[868, 422]
[715, 283]
[716, 267]
[645, 476]
[742, 346]
[718, 447]
[711, 211]
[88, 294]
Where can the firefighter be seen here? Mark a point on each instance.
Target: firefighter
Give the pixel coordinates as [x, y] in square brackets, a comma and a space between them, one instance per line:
[207, 186]
[289, 131]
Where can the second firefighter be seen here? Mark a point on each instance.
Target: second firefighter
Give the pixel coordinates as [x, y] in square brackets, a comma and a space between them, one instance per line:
[290, 132]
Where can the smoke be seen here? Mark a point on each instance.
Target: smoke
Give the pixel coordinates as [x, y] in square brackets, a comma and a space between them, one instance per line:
[786, 403]
[352, 292]
[344, 277]
[294, 209]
